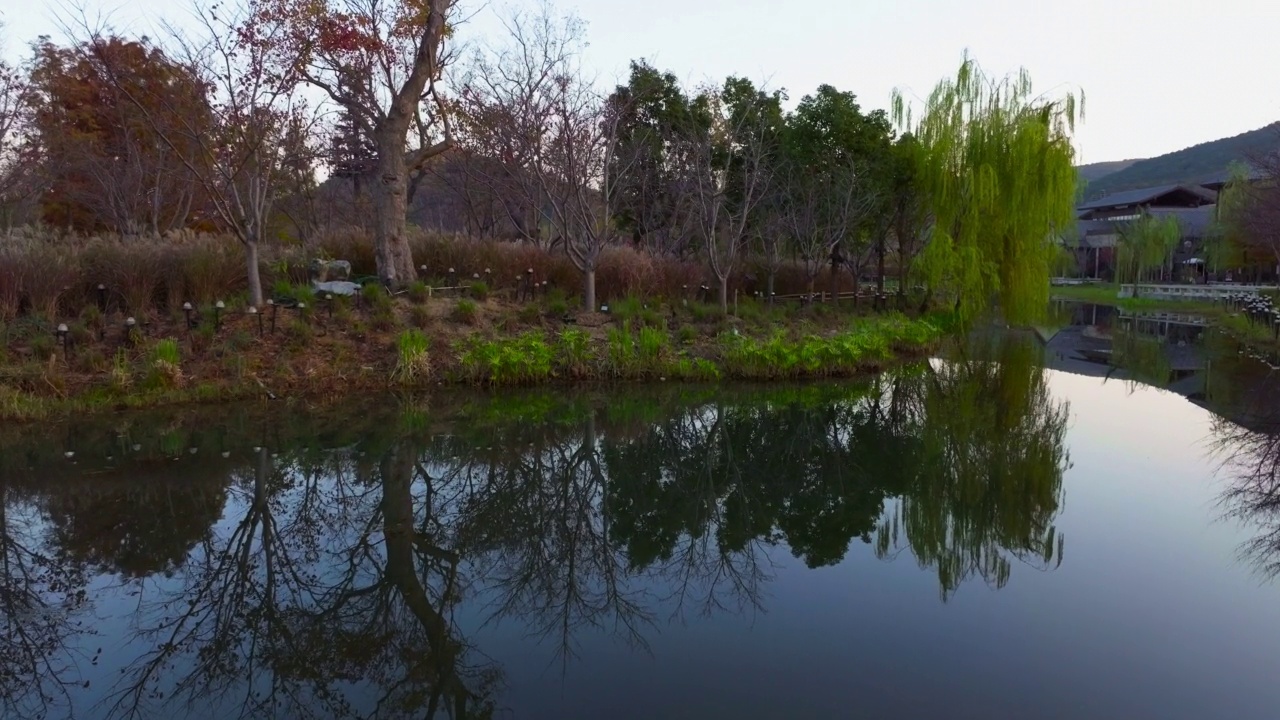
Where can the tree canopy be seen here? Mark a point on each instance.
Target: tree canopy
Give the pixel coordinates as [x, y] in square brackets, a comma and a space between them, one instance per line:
[998, 165]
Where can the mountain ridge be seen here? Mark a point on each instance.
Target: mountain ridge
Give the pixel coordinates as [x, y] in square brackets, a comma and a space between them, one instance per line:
[1191, 165]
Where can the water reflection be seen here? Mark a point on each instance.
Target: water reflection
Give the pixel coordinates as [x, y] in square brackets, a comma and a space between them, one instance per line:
[305, 566]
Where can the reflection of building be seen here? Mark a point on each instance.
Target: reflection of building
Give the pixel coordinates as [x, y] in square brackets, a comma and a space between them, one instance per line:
[1157, 349]
[1168, 351]
[1100, 222]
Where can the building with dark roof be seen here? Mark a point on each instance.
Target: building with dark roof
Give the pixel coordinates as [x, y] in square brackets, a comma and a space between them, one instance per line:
[1100, 223]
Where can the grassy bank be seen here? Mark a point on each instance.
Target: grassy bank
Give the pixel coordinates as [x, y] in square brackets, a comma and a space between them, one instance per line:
[377, 342]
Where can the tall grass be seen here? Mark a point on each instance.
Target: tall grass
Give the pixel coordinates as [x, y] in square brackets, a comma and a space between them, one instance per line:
[413, 364]
[56, 274]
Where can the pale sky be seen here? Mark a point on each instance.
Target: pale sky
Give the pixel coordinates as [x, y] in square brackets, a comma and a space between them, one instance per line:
[1157, 76]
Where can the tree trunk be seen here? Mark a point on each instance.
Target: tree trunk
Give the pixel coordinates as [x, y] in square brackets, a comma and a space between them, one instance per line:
[589, 289]
[390, 204]
[724, 294]
[880, 264]
[254, 277]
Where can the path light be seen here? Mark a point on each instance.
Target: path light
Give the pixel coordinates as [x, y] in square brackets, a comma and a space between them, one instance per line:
[253, 312]
[328, 301]
[302, 310]
[129, 325]
[102, 297]
[186, 310]
[218, 307]
[62, 338]
[422, 270]
[453, 278]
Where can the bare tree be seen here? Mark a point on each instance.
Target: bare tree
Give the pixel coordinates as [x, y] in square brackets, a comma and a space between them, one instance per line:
[821, 212]
[381, 62]
[244, 154]
[729, 156]
[545, 136]
[16, 150]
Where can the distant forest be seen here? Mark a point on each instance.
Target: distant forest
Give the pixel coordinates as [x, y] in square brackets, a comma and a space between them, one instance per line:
[1195, 164]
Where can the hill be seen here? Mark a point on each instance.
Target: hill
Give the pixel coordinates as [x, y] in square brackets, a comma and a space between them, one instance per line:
[1195, 164]
[1094, 172]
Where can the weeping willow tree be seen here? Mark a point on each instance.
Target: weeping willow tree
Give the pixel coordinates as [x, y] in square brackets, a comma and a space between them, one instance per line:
[998, 165]
[1146, 248]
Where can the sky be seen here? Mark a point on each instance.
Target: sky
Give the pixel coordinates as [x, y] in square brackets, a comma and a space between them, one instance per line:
[1156, 76]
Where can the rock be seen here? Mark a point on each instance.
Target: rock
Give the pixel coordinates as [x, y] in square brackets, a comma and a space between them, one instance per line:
[326, 270]
[336, 287]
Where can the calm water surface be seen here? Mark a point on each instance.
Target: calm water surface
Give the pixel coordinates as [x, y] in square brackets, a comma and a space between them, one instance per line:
[1083, 528]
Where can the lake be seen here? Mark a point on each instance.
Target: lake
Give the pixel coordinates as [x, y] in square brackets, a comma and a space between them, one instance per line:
[1083, 523]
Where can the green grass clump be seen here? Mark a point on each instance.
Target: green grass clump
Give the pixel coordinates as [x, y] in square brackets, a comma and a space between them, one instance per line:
[413, 364]
[479, 290]
[523, 359]
[374, 296]
[166, 363]
[465, 312]
[574, 352]
[417, 291]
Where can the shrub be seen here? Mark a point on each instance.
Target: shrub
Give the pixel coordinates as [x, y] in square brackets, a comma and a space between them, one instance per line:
[412, 362]
[479, 290]
[558, 307]
[687, 334]
[384, 318]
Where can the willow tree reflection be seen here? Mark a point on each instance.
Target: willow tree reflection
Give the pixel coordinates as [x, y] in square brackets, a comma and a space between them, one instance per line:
[985, 475]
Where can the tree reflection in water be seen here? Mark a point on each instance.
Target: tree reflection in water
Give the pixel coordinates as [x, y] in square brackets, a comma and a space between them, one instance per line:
[327, 581]
[1246, 440]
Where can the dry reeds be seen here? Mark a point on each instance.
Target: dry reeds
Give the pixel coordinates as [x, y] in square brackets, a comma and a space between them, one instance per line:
[49, 274]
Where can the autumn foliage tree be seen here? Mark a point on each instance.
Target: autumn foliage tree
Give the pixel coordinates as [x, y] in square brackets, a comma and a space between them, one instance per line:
[248, 146]
[107, 118]
[381, 63]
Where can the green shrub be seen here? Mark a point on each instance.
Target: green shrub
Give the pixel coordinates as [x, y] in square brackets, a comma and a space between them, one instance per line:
[687, 334]
[465, 312]
[478, 289]
[574, 353]
[558, 307]
[413, 364]
[522, 359]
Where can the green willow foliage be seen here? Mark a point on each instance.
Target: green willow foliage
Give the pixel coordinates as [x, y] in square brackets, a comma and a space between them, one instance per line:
[998, 165]
[1146, 247]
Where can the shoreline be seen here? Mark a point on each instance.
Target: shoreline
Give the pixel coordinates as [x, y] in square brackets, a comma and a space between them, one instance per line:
[385, 345]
